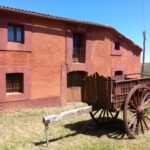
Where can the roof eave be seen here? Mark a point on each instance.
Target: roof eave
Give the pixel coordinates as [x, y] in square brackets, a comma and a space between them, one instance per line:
[47, 16]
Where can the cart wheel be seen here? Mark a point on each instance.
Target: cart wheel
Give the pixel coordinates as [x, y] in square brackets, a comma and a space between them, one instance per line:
[103, 115]
[136, 111]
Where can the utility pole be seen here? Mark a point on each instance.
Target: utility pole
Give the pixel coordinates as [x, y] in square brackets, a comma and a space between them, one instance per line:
[143, 62]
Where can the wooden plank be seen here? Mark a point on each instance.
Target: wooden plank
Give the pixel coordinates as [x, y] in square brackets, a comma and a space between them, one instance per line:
[99, 90]
[130, 80]
[109, 93]
[83, 90]
[91, 90]
[104, 92]
[66, 114]
[63, 115]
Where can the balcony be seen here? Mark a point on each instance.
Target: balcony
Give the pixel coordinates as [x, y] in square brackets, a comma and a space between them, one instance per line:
[78, 55]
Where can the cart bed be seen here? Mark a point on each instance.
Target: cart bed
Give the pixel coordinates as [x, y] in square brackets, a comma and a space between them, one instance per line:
[107, 93]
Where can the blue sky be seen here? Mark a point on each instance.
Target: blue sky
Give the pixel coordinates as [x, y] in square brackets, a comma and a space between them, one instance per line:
[124, 15]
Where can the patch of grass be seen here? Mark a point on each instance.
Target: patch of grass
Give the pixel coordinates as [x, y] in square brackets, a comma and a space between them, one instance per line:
[24, 130]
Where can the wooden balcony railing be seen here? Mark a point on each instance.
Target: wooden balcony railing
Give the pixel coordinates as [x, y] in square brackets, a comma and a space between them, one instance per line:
[78, 55]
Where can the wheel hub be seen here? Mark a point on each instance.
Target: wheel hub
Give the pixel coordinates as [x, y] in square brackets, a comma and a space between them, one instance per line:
[140, 109]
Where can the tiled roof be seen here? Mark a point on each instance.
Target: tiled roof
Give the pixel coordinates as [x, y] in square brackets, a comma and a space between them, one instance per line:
[47, 16]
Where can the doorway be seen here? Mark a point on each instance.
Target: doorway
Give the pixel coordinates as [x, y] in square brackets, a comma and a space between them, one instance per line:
[75, 85]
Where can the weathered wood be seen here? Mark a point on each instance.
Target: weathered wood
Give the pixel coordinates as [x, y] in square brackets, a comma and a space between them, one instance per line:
[91, 92]
[134, 80]
[64, 115]
[143, 60]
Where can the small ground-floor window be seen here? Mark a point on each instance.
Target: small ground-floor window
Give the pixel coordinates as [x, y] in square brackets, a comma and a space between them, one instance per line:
[14, 83]
[118, 73]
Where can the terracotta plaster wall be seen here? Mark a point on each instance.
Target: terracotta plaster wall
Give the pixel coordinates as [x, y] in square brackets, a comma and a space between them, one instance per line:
[14, 58]
[44, 54]
[104, 62]
[131, 57]
[11, 53]
[128, 62]
[48, 55]
[48, 49]
[100, 52]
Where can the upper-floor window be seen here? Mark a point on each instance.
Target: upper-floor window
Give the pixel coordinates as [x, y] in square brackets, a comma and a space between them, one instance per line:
[117, 45]
[15, 33]
[79, 47]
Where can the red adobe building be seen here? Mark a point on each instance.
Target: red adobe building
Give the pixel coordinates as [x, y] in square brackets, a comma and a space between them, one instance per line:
[44, 58]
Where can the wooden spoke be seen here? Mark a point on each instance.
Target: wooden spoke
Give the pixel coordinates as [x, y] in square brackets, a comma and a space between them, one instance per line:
[132, 120]
[143, 93]
[132, 116]
[145, 123]
[134, 125]
[137, 127]
[107, 114]
[138, 101]
[147, 118]
[147, 101]
[132, 110]
[103, 115]
[111, 114]
[144, 99]
[96, 112]
[142, 129]
[146, 107]
[132, 104]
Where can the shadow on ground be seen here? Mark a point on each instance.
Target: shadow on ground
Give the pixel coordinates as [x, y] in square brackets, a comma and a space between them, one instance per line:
[113, 129]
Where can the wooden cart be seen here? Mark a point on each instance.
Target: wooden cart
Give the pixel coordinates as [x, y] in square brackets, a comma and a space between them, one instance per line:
[108, 96]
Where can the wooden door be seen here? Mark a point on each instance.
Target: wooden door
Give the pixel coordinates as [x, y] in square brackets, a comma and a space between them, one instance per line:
[75, 85]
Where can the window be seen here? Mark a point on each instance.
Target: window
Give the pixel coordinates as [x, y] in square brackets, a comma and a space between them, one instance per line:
[78, 47]
[118, 73]
[14, 83]
[15, 33]
[117, 46]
